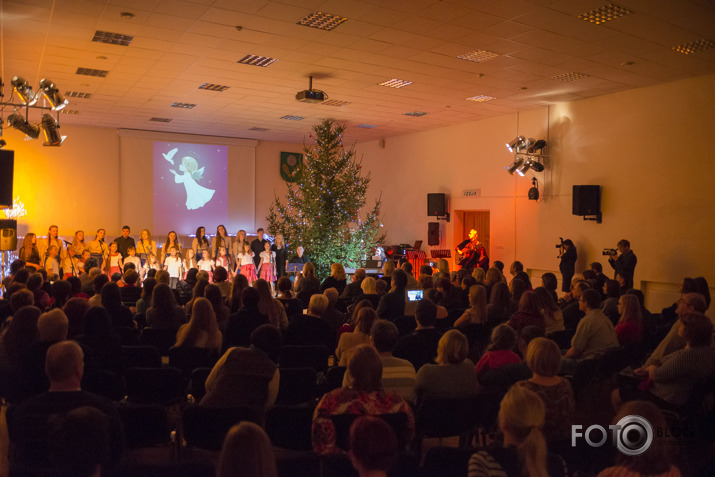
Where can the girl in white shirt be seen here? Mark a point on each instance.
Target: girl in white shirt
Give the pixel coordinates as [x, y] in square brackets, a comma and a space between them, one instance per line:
[267, 265]
[207, 265]
[172, 264]
[248, 267]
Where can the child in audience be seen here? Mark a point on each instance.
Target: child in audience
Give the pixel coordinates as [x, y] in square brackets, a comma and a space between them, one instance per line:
[132, 258]
[52, 263]
[248, 268]
[499, 352]
[115, 264]
[267, 265]
[207, 265]
[172, 264]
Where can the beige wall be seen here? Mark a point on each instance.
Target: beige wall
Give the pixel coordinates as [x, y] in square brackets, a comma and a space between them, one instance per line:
[648, 148]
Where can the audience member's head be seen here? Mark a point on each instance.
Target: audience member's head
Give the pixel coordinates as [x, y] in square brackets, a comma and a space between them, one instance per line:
[365, 369]
[111, 299]
[516, 267]
[21, 334]
[527, 335]
[284, 285]
[317, 305]
[612, 288]
[381, 287]
[53, 326]
[365, 319]
[426, 270]
[34, 283]
[503, 337]
[64, 363]
[22, 275]
[696, 329]
[75, 309]
[332, 295]
[591, 298]
[20, 298]
[162, 276]
[479, 275]
[518, 287]
[268, 339]
[543, 357]
[80, 442]
[202, 275]
[247, 450]
[521, 419]
[703, 288]
[131, 277]
[452, 348]
[691, 302]
[426, 282]
[529, 303]
[99, 282]
[337, 271]
[384, 336]
[596, 267]
[369, 286]
[359, 275]
[426, 313]
[500, 296]
[373, 445]
[499, 265]
[220, 274]
[61, 292]
[549, 281]
[399, 279]
[16, 266]
[250, 298]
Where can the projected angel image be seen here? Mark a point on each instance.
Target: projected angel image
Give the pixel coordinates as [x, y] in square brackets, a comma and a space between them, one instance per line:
[196, 195]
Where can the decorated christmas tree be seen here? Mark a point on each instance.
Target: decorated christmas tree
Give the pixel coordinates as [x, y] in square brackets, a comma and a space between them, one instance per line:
[322, 210]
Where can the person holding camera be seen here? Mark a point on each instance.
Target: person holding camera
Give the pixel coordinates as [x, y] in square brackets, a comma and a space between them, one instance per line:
[567, 266]
[625, 263]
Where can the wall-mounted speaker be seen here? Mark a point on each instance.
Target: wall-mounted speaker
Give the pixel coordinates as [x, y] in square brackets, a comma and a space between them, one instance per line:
[586, 200]
[433, 233]
[7, 167]
[8, 235]
[436, 205]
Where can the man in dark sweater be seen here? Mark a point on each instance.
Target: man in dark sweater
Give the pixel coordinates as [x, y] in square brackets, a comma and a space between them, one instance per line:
[625, 263]
[258, 246]
[124, 242]
[310, 329]
[28, 422]
[420, 347]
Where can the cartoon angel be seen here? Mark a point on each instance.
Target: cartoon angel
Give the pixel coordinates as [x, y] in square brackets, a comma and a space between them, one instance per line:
[196, 196]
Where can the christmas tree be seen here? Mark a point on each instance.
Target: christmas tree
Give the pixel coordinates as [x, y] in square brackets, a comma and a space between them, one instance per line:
[322, 210]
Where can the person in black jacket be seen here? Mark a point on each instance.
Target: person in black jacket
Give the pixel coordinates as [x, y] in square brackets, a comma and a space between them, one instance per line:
[625, 263]
[392, 304]
[567, 266]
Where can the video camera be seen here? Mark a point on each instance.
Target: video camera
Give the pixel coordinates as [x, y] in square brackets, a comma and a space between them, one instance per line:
[560, 246]
[610, 252]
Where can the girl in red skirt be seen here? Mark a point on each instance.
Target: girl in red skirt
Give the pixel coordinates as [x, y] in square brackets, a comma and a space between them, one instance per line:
[267, 265]
[115, 260]
[248, 268]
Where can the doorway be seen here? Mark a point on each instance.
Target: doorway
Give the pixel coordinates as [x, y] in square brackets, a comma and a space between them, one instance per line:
[478, 220]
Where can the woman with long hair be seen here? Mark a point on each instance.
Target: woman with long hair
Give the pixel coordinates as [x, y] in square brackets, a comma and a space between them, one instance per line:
[477, 311]
[200, 242]
[240, 283]
[629, 329]
[164, 313]
[98, 250]
[146, 246]
[269, 306]
[247, 452]
[220, 240]
[528, 313]
[198, 292]
[172, 240]
[29, 252]
[279, 247]
[120, 315]
[499, 308]
[19, 337]
[213, 294]
[521, 418]
[79, 244]
[202, 330]
[237, 248]
[553, 316]
[337, 278]
[373, 446]
[388, 268]
[361, 335]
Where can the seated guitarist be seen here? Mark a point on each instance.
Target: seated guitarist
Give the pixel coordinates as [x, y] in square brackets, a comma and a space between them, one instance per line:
[472, 253]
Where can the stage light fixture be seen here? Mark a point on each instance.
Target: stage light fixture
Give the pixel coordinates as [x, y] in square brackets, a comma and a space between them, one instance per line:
[24, 91]
[18, 122]
[53, 95]
[50, 127]
[516, 164]
[537, 166]
[513, 144]
[537, 146]
[524, 145]
[524, 168]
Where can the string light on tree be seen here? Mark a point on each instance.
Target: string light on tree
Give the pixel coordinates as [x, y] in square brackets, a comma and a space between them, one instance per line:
[322, 208]
[17, 210]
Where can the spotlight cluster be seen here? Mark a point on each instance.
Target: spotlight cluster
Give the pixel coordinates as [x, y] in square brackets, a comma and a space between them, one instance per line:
[525, 155]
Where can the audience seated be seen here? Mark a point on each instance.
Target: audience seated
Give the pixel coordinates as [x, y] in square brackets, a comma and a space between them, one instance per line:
[79, 443]
[164, 313]
[368, 291]
[477, 311]
[337, 279]
[61, 292]
[420, 346]
[453, 374]
[20, 337]
[629, 329]
[271, 307]
[213, 294]
[499, 308]
[364, 396]
[52, 327]
[242, 323]
[247, 451]
[310, 329]
[544, 360]
[595, 333]
[553, 316]
[361, 335]
[354, 288]
[97, 284]
[332, 316]
[528, 313]
[247, 376]
[221, 281]
[609, 307]
[373, 446]
[240, 283]
[202, 330]
[521, 419]
[292, 305]
[392, 304]
[397, 374]
[499, 352]
[131, 291]
[112, 302]
[76, 309]
[101, 343]
[499, 380]
[144, 302]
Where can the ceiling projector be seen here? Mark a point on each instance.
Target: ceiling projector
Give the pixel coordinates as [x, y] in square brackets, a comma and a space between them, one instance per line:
[311, 95]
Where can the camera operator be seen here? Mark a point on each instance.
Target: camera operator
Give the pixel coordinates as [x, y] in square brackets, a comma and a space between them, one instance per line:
[567, 266]
[625, 263]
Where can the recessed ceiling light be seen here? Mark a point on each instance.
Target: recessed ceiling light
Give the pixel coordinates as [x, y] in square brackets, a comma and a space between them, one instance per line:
[292, 118]
[321, 20]
[112, 38]
[395, 83]
[255, 128]
[694, 46]
[334, 102]
[366, 126]
[481, 98]
[608, 12]
[628, 63]
[127, 15]
[69, 111]
[256, 60]
[77, 94]
[161, 120]
[92, 72]
[477, 56]
[213, 87]
[183, 105]
[415, 113]
[571, 76]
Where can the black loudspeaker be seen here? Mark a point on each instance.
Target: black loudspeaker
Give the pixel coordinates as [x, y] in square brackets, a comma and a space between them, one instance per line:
[586, 200]
[436, 205]
[8, 235]
[433, 233]
[7, 167]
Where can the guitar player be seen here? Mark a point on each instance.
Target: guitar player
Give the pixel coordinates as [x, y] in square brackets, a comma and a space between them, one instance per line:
[471, 253]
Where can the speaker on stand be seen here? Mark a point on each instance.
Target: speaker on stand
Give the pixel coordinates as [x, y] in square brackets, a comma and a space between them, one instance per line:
[433, 233]
[8, 240]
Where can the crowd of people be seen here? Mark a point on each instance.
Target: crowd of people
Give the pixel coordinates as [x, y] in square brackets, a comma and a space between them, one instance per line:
[511, 342]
